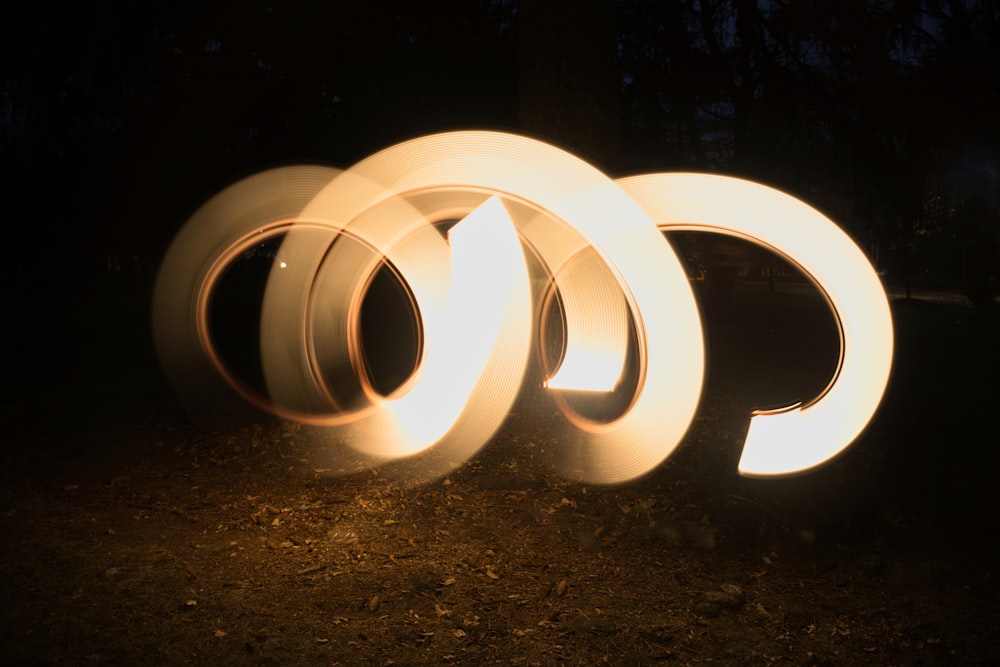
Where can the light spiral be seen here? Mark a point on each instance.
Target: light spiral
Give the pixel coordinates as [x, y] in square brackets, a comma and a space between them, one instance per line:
[484, 230]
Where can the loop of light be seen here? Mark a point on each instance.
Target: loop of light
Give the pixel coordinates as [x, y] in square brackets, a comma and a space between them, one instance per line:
[599, 241]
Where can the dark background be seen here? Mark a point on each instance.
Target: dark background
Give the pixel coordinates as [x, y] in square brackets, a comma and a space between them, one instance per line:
[118, 119]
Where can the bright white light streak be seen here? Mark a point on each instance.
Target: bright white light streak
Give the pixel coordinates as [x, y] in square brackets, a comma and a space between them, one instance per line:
[478, 335]
[798, 437]
[311, 310]
[602, 245]
[575, 193]
[234, 220]
[596, 325]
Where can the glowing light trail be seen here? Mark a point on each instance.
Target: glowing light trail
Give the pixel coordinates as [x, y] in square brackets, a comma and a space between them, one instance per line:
[798, 437]
[478, 335]
[598, 241]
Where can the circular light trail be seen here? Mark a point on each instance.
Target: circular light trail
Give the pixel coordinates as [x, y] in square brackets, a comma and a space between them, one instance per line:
[522, 207]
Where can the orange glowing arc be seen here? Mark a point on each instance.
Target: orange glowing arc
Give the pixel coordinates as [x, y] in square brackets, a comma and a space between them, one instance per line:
[799, 437]
[601, 244]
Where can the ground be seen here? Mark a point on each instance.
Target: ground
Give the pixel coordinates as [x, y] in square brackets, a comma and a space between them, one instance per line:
[132, 536]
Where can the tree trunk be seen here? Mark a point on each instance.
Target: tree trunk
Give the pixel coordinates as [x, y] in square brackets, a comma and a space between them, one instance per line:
[569, 81]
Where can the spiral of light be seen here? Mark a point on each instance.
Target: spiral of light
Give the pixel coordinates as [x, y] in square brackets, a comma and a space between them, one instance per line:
[454, 217]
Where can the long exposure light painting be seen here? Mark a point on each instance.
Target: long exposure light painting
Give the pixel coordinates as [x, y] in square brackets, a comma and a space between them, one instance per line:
[456, 217]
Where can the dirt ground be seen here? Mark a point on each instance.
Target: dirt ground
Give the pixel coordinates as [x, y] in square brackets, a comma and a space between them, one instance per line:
[132, 537]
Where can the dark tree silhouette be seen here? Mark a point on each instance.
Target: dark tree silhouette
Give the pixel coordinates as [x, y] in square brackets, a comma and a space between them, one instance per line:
[882, 114]
[569, 77]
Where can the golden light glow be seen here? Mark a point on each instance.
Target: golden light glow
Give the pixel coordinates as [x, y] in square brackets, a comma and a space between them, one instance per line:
[798, 437]
[596, 315]
[241, 216]
[599, 244]
[478, 332]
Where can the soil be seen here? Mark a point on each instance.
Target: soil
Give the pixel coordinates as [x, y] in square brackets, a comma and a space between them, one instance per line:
[132, 536]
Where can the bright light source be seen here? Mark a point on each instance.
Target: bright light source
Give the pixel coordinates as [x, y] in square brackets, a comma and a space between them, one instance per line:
[795, 438]
[599, 242]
